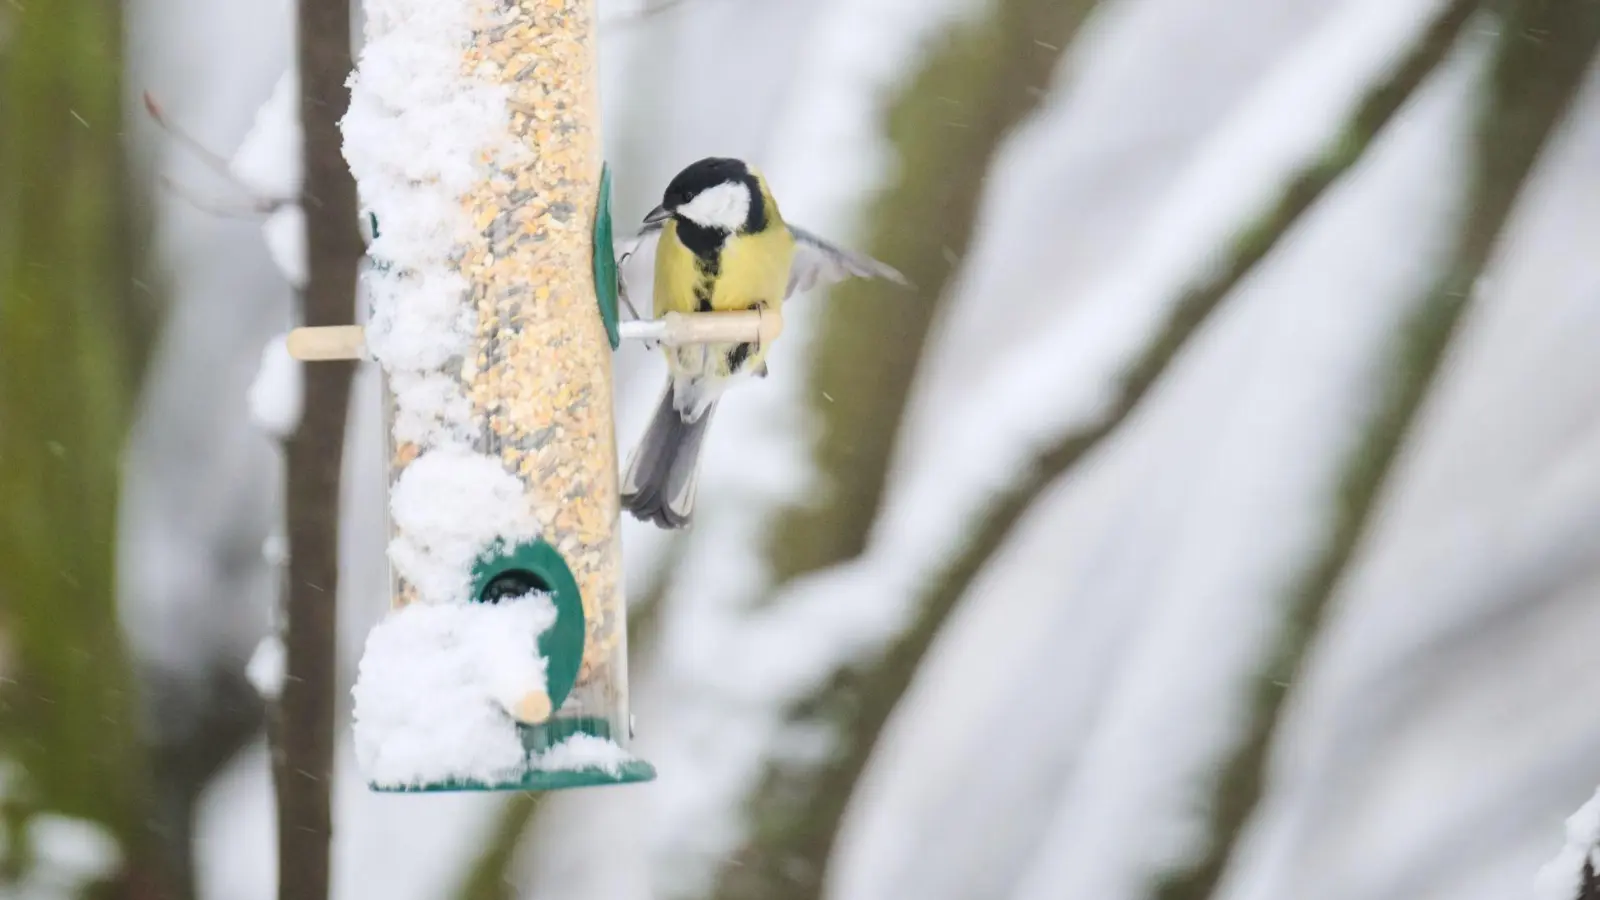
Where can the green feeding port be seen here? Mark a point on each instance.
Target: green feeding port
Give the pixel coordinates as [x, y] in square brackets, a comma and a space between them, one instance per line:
[605, 260]
[537, 566]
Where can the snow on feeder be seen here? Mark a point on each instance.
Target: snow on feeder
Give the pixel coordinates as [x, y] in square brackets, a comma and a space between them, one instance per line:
[473, 134]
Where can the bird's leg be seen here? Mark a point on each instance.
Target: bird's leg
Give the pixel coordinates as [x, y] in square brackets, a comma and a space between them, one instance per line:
[760, 371]
[622, 294]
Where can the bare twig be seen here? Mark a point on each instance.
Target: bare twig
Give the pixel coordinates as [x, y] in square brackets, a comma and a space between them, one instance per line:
[211, 158]
[303, 725]
[256, 206]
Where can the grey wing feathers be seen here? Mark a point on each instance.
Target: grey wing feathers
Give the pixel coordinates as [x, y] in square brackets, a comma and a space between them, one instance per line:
[818, 261]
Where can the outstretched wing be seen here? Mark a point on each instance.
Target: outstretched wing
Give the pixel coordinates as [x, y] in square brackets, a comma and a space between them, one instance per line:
[817, 261]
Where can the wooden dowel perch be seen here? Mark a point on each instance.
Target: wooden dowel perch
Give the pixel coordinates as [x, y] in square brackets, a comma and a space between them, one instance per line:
[755, 326]
[328, 342]
[673, 329]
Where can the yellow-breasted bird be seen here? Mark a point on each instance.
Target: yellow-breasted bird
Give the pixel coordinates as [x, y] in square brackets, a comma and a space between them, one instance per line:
[721, 245]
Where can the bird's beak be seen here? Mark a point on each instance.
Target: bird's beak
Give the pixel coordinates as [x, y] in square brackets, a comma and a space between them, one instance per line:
[659, 214]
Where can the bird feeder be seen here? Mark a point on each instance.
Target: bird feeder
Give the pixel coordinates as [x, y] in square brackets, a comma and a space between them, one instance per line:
[493, 285]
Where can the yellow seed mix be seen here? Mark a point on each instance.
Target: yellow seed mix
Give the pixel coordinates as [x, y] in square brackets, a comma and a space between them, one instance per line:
[538, 374]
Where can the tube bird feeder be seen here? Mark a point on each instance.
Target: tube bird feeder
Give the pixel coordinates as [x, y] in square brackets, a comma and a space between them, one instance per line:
[491, 277]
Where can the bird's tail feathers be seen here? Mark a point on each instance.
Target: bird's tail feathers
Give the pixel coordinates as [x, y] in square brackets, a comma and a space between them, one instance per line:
[660, 480]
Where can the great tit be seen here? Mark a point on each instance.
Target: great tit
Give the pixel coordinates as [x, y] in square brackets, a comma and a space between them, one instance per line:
[721, 244]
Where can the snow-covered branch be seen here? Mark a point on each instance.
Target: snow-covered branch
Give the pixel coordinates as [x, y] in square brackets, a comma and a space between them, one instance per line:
[1573, 875]
[865, 697]
[1529, 87]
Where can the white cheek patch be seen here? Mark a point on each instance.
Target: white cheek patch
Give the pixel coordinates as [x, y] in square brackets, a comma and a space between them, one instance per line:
[725, 206]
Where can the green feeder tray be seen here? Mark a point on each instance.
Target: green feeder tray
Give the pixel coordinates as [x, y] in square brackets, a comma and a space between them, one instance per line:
[537, 566]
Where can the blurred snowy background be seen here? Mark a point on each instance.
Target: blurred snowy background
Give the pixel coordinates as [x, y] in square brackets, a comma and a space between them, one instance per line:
[1219, 519]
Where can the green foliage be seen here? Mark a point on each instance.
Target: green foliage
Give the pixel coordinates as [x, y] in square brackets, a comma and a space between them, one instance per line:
[71, 344]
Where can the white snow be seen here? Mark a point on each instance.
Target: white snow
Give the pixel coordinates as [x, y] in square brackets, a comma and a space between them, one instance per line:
[1561, 878]
[434, 686]
[268, 162]
[418, 135]
[77, 850]
[66, 854]
[419, 322]
[285, 234]
[268, 667]
[1151, 576]
[1064, 375]
[275, 549]
[277, 392]
[450, 506]
[584, 751]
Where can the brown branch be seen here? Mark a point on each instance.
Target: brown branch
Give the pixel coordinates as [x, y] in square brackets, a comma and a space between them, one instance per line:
[1545, 47]
[858, 702]
[303, 726]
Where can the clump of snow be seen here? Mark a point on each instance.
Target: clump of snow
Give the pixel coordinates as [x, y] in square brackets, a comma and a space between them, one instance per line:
[268, 159]
[419, 135]
[267, 667]
[450, 506]
[430, 409]
[285, 234]
[418, 322]
[434, 685]
[584, 751]
[275, 394]
[68, 855]
[275, 549]
[1561, 877]
[268, 163]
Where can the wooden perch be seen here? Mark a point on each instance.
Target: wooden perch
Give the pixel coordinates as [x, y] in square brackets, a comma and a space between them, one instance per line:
[334, 342]
[673, 329]
[327, 342]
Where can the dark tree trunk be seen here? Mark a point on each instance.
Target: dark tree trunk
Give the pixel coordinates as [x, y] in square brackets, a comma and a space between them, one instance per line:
[303, 725]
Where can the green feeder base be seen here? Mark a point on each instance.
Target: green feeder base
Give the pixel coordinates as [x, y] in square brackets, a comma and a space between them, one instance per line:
[537, 738]
[538, 781]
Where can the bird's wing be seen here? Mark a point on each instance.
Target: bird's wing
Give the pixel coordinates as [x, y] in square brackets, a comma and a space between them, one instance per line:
[818, 261]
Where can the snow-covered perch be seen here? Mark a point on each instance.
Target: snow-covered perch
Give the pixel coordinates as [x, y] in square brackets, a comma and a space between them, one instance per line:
[473, 134]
